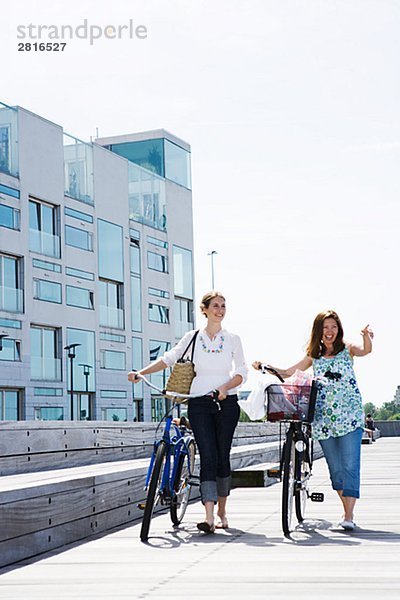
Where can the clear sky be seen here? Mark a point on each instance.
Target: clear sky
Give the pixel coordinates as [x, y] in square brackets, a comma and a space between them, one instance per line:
[292, 111]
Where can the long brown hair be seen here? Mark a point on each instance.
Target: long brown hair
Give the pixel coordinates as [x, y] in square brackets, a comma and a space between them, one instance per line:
[315, 347]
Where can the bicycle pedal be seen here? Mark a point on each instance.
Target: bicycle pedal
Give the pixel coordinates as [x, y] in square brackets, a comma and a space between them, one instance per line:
[317, 497]
[141, 505]
[275, 472]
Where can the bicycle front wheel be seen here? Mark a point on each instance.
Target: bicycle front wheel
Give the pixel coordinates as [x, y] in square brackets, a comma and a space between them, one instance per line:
[289, 481]
[303, 473]
[153, 490]
[182, 487]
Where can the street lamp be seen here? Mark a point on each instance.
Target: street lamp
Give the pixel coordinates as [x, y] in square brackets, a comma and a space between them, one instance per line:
[212, 253]
[71, 355]
[2, 336]
[86, 372]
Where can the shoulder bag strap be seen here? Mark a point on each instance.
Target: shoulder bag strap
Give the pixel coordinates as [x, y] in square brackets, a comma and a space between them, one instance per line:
[191, 343]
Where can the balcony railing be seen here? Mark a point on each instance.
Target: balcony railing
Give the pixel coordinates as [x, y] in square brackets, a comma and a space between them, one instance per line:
[9, 140]
[44, 243]
[11, 299]
[45, 368]
[78, 169]
[111, 317]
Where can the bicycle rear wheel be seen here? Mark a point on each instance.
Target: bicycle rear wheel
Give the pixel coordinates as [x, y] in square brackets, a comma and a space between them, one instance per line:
[153, 490]
[303, 473]
[182, 487]
[288, 489]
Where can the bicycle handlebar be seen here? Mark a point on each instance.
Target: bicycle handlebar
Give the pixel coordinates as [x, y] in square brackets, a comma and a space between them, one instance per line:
[268, 369]
[175, 395]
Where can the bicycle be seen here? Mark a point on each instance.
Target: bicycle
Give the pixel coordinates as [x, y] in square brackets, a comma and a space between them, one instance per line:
[293, 407]
[170, 476]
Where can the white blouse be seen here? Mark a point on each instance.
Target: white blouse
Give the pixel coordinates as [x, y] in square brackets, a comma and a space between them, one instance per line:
[215, 362]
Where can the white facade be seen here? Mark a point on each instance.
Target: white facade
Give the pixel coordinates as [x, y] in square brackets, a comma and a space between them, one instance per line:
[96, 251]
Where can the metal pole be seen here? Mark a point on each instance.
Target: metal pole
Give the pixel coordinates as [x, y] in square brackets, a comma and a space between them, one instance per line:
[71, 357]
[212, 267]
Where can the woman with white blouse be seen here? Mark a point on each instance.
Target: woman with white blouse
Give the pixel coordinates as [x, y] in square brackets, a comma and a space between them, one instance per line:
[219, 365]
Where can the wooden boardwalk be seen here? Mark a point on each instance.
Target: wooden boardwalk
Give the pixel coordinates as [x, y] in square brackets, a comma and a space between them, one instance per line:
[250, 560]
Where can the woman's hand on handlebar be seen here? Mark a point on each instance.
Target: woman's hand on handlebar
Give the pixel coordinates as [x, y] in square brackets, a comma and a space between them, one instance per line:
[222, 393]
[134, 376]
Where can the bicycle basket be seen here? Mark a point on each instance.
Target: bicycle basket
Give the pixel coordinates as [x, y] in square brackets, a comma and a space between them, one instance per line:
[289, 402]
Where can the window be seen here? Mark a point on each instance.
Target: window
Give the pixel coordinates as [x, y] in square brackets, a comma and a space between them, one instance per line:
[12, 323]
[83, 409]
[10, 405]
[149, 154]
[136, 303]
[134, 233]
[147, 198]
[84, 372]
[177, 164]
[78, 238]
[183, 272]
[111, 359]
[112, 337]
[158, 313]
[79, 273]
[110, 304]
[11, 292]
[46, 266]
[9, 217]
[121, 394]
[78, 169]
[44, 235]
[157, 262]
[135, 257]
[49, 413]
[157, 242]
[49, 291]
[41, 391]
[10, 350]
[159, 293]
[9, 191]
[45, 353]
[159, 407]
[157, 349]
[114, 414]
[5, 156]
[79, 297]
[184, 318]
[111, 253]
[137, 363]
[77, 214]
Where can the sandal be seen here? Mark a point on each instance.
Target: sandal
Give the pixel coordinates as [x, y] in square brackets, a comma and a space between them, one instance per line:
[222, 523]
[205, 527]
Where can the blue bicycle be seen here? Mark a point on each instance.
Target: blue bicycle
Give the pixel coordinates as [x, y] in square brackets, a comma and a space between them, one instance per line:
[170, 476]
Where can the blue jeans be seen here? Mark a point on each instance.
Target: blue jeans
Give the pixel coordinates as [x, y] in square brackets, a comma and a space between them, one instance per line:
[213, 431]
[343, 457]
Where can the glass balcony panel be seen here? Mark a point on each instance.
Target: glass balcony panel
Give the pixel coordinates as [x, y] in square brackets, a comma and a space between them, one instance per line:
[78, 169]
[9, 140]
[44, 243]
[147, 202]
[11, 299]
[111, 317]
[45, 368]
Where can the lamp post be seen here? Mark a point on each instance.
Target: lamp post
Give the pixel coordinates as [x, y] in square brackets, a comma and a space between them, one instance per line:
[212, 254]
[2, 336]
[86, 372]
[71, 354]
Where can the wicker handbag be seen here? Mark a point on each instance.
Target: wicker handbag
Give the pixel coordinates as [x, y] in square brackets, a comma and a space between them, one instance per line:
[183, 372]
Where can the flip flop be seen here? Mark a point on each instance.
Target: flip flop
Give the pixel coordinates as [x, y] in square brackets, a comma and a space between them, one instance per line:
[222, 524]
[205, 527]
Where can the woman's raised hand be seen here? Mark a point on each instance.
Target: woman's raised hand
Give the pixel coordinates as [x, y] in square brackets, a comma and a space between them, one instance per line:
[367, 331]
[256, 365]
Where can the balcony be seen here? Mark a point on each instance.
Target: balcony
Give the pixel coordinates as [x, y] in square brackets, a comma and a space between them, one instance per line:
[48, 369]
[9, 163]
[11, 299]
[44, 243]
[78, 169]
[111, 317]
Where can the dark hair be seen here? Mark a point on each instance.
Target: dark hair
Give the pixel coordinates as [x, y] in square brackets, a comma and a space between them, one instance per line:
[315, 347]
[206, 299]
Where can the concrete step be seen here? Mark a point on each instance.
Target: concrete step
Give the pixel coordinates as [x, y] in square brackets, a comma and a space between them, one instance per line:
[254, 476]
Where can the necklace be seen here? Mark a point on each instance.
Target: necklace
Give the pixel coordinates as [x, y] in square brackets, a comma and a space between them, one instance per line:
[216, 350]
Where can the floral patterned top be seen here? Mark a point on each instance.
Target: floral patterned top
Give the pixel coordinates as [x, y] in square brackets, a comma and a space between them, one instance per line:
[338, 408]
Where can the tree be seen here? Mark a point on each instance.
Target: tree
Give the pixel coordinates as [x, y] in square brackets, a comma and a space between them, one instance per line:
[370, 408]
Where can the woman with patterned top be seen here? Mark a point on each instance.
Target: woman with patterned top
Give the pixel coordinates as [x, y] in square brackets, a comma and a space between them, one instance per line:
[339, 419]
[219, 365]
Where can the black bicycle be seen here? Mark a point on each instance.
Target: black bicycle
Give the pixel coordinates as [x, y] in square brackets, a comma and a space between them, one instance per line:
[293, 407]
[170, 476]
